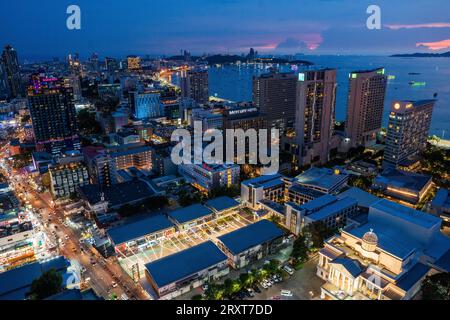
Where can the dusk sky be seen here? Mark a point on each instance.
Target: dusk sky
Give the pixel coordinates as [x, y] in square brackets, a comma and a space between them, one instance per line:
[113, 27]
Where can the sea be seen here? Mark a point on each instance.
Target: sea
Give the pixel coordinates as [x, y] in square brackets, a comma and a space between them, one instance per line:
[233, 82]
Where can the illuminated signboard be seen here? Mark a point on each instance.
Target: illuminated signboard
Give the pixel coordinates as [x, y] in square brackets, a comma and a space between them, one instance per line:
[301, 77]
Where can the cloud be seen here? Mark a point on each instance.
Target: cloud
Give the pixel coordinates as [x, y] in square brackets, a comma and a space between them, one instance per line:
[438, 45]
[310, 42]
[418, 26]
[291, 43]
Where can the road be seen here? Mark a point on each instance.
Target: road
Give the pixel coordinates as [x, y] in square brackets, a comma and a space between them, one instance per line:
[104, 276]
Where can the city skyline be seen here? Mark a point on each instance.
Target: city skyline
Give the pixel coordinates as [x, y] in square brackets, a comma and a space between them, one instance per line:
[327, 27]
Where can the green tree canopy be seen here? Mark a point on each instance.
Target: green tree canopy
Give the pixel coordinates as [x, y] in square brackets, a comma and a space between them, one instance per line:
[48, 284]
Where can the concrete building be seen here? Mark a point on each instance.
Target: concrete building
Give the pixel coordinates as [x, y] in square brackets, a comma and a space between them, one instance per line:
[223, 206]
[440, 205]
[315, 115]
[407, 133]
[274, 94]
[146, 104]
[101, 168]
[181, 272]
[386, 258]
[191, 216]
[251, 243]
[323, 180]
[194, 85]
[207, 177]
[365, 106]
[407, 186]
[131, 155]
[66, 175]
[262, 188]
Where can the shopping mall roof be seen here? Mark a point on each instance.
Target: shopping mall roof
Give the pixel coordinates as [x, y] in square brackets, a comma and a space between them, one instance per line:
[364, 198]
[185, 263]
[333, 208]
[138, 229]
[15, 283]
[222, 203]
[193, 212]
[250, 236]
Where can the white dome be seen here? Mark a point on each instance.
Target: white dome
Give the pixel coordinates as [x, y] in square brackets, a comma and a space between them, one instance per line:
[369, 241]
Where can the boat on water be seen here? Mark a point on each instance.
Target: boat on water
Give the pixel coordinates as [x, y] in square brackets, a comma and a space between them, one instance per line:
[417, 83]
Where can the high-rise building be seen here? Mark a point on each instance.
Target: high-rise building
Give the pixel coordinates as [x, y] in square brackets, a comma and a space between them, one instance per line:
[365, 106]
[4, 87]
[111, 64]
[275, 94]
[407, 133]
[194, 85]
[315, 115]
[12, 69]
[146, 104]
[134, 63]
[53, 114]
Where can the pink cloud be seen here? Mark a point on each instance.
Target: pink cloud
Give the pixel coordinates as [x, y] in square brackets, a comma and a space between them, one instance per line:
[438, 45]
[418, 26]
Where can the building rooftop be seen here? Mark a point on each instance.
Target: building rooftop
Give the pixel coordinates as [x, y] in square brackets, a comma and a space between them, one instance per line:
[15, 283]
[350, 265]
[442, 199]
[306, 191]
[364, 198]
[139, 229]
[180, 265]
[250, 236]
[412, 276]
[332, 208]
[262, 180]
[222, 203]
[409, 214]
[118, 194]
[190, 213]
[131, 151]
[319, 202]
[322, 178]
[404, 180]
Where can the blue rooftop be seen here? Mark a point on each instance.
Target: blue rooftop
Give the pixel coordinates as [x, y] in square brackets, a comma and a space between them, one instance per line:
[333, 208]
[261, 180]
[185, 263]
[350, 265]
[441, 199]
[321, 177]
[222, 203]
[14, 284]
[411, 277]
[138, 229]
[444, 261]
[319, 203]
[411, 215]
[364, 198]
[190, 213]
[250, 236]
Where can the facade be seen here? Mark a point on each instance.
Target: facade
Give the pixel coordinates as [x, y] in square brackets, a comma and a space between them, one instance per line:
[126, 156]
[407, 133]
[195, 86]
[134, 63]
[208, 118]
[365, 106]
[251, 243]
[274, 94]
[101, 168]
[245, 117]
[147, 104]
[181, 272]
[315, 115]
[262, 188]
[53, 114]
[67, 175]
[207, 177]
[385, 258]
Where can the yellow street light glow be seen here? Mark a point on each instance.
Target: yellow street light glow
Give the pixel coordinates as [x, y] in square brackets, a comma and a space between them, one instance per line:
[397, 106]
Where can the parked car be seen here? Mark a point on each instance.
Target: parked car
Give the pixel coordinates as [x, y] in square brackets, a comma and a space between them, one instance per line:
[256, 289]
[288, 269]
[286, 293]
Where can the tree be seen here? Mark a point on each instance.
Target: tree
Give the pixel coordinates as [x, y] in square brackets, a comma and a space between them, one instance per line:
[436, 287]
[48, 284]
[275, 219]
[45, 179]
[197, 297]
[318, 232]
[214, 292]
[300, 250]
[87, 122]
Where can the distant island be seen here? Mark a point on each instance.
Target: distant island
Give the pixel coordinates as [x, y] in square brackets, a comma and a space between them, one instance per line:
[229, 59]
[423, 55]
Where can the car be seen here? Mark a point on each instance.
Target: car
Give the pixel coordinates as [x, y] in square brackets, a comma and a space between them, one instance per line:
[264, 284]
[74, 249]
[288, 269]
[66, 237]
[256, 289]
[205, 287]
[83, 269]
[286, 293]
[251, 292]
[114, 285]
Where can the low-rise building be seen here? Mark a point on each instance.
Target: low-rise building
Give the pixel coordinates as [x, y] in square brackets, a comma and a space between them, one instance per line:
[191, 216]
[271, 187]
[407, 186]
[323, 179]
[139, 235]
[222, 206]
[181, 272]
[440, 205]
[251, 243]
[385, 258]
[207, 177]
